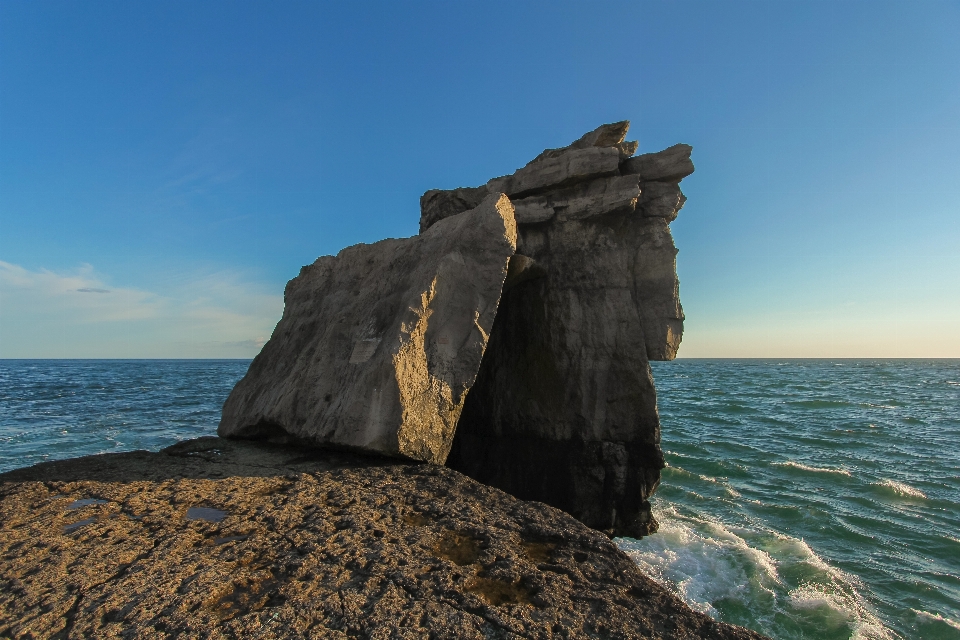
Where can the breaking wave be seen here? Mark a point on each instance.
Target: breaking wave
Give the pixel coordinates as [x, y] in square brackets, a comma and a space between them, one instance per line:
[758, 578]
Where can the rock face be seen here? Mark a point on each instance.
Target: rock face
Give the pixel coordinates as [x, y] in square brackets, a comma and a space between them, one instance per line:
[379, 345]
[564, 408]
[226, 539]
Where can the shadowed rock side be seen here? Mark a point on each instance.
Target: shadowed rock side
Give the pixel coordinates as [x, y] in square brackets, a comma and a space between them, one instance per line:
[564, 408]
[230, 539]
[378, 346]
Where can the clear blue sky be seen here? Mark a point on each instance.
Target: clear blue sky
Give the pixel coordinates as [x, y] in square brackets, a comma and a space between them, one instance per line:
[165, 167]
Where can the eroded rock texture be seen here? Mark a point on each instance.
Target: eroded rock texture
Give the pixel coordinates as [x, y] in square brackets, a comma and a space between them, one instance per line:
[226, 539]
[378, 346]
[564, 408]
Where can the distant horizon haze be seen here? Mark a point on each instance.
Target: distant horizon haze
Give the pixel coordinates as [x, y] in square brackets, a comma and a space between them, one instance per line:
[166, 168]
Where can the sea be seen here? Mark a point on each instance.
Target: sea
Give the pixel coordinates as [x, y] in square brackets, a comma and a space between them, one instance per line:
[802, 498]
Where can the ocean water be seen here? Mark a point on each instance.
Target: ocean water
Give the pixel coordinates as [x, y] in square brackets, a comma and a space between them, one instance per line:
[802, 498]
[811, 498]
[56, 409]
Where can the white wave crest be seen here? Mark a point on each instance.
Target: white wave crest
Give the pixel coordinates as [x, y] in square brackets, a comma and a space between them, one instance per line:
[701, 562]
[806, 467]
[839, 606]
[901, 489]
[936, 617]
[707, 564]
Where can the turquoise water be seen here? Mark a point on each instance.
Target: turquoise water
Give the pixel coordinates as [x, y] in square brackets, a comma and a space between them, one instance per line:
[811, 498]
[804, 498]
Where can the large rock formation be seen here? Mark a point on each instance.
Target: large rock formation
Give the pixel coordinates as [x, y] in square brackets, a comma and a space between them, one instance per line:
[564, 408]
[378, 346]
[225, 539]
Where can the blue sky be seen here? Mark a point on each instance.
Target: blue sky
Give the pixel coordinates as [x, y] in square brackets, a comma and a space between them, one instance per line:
[166, 167]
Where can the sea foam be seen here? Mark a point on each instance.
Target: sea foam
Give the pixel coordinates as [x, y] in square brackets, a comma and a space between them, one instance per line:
[788, 589]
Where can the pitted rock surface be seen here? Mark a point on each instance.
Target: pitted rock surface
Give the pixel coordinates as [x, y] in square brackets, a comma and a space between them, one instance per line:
[226, 539]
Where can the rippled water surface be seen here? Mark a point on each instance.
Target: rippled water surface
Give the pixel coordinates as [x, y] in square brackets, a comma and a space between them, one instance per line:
[805, 498]
[55, 409]
[811, 498]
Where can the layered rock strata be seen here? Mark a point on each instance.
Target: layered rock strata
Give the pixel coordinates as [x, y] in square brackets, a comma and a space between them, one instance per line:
[564, 407]
[226, 539]
[379, 345]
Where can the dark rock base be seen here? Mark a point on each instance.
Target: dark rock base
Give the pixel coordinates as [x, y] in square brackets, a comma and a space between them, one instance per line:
[603, 483]
[225, 539]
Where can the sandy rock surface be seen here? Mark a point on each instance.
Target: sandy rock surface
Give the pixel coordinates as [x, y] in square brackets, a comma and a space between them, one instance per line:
[225, 539]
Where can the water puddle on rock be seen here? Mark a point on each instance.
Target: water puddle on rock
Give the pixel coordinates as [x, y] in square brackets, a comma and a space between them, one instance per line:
[206, 513]
[85, 502]
[76, 525]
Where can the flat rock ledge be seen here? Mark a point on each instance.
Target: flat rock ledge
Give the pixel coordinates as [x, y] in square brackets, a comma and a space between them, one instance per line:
[213, 538]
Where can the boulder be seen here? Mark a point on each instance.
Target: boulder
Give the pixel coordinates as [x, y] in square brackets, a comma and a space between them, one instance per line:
[670, 165]
[378, 346]
[564, 407]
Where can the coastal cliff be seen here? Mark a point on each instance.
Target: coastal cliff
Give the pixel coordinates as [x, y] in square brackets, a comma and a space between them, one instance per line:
[229, 539]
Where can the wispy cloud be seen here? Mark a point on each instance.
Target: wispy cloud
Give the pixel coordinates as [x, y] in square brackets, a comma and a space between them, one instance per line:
[48, 314]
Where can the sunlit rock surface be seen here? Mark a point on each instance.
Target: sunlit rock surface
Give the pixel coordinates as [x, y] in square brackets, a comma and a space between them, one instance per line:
[379, 345]
[218, 538]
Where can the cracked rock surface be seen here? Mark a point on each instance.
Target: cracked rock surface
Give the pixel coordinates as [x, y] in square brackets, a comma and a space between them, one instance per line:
[225, 539]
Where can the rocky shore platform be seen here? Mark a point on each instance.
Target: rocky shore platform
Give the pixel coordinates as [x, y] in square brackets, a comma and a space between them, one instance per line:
[215, 538]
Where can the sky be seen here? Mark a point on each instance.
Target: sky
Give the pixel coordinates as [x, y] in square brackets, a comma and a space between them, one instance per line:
[166, 167]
